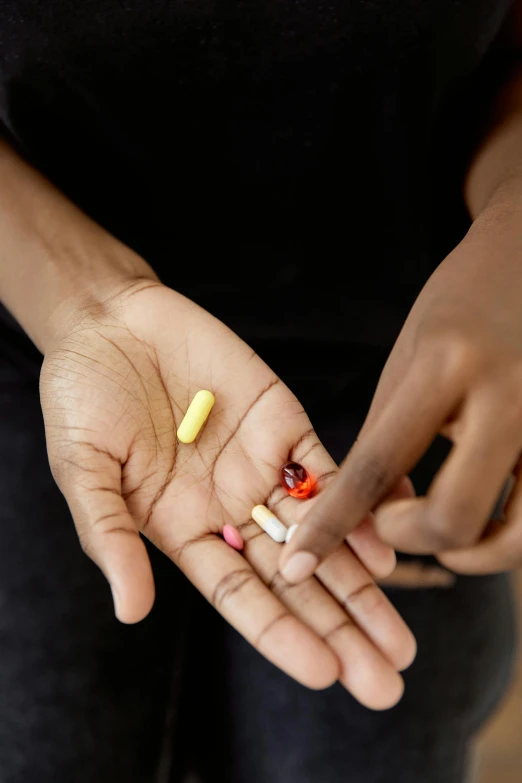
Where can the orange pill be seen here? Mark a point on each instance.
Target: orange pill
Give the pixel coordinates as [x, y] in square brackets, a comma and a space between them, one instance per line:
[296, 480]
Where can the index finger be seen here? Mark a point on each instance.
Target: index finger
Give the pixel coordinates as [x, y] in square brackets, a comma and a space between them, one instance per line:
[388, 449]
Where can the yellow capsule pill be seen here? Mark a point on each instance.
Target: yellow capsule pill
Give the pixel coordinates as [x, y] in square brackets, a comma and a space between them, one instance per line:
[196, 416]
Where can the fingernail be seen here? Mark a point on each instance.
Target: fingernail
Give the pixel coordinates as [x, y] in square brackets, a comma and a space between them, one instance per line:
[300, 567]
[290, 532]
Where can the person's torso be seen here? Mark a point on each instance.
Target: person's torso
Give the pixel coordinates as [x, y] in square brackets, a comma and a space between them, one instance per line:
[254, 150]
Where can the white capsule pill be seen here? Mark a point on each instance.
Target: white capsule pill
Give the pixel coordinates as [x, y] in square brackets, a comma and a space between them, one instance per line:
[290, 532]
[269, 523]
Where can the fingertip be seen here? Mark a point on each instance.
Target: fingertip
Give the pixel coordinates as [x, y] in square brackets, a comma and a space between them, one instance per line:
[126, 565]
[475, 561]
[133, 590]
[379, 694]
[386, 563]
[388, 698]
[409, 653]
[401, 648]
[319, 678]
[325, 681]
[392, 517]
[368, 674]
[130, 610]
[319, 533]
[298, 651]
[299, 567]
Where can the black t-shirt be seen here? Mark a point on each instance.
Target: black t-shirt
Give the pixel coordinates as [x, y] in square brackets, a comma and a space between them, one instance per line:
[293, 165]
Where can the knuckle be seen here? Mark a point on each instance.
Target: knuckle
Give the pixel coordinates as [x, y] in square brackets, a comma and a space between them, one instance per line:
[371, 476]
[326, 478]
[178, 553]
[366, 599]
[452, 354]
[283, 617]
[231, 584]
[108, 523]
[279, 586]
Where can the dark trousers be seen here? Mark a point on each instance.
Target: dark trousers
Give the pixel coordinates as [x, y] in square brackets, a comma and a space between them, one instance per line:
[84, 699]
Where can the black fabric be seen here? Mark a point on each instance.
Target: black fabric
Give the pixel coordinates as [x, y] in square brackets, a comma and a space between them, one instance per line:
[256, 152]
[274, 144]
[84, 699]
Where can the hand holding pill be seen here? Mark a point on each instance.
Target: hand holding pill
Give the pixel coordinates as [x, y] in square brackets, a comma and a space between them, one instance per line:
[129, 462]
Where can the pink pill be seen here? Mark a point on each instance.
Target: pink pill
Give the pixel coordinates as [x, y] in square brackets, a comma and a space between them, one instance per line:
[233, 537]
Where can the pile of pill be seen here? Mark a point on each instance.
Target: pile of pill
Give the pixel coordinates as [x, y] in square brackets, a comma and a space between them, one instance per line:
[293, 476]
[298, 483]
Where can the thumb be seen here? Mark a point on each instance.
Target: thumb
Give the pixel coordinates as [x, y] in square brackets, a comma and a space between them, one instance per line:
[90, 480]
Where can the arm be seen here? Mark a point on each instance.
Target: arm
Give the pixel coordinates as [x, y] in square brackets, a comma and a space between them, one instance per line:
[455, 369]
[54, 260]
[496, 167]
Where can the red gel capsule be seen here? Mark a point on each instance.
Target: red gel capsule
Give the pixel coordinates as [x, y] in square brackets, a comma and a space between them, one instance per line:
[295, 479]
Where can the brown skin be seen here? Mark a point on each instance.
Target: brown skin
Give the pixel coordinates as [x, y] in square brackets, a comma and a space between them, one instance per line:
[455, 369]
[124, 355]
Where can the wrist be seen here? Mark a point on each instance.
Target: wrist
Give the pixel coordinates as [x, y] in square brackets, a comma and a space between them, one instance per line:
[56, 261]
[68, 280]
[503, 207]
[486, 266]
[87, 284]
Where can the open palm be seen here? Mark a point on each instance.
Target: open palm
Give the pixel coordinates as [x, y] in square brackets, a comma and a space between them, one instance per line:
[114, 391]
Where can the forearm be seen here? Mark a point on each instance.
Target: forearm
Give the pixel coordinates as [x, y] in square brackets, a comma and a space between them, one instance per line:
[53, 258]
[496, 168]
[494, 176]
